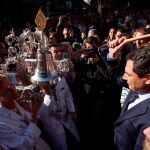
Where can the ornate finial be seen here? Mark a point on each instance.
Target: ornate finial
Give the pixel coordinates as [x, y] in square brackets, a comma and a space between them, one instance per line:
[40, 20]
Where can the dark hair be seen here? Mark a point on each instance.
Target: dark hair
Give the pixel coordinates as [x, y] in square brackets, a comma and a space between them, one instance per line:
[64, 18]
[120, 30]
[91, 40]
[141, 30]
[141, 60]
[11, 67]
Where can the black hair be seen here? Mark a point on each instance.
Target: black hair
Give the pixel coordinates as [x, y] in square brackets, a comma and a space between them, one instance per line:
[11, 67]
[92, 40]
[141, 60]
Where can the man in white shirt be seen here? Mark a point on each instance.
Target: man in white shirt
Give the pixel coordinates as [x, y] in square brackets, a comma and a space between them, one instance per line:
[57, 114]
[18, 129]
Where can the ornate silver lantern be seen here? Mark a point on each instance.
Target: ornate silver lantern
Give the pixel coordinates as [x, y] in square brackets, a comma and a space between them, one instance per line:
[41, 73]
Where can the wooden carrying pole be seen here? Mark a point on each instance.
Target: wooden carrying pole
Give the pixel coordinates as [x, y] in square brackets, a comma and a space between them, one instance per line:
[131, 40]
[137, 38]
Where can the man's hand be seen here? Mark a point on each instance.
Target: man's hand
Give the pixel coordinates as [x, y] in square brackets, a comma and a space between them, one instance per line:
[115, 47]
[146, 144]
[116, 42]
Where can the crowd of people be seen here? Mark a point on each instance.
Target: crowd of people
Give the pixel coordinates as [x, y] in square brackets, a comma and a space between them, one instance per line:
[91, 59]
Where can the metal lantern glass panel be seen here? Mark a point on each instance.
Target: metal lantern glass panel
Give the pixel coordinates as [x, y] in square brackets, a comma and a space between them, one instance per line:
[41, 73]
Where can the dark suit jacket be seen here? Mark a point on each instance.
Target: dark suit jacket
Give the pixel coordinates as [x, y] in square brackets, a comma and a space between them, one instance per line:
[128, 132]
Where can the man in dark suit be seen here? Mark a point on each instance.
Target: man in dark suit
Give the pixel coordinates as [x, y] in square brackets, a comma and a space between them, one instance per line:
[135, 115]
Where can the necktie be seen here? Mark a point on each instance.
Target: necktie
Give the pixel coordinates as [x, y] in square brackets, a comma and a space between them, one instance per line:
[133, 98]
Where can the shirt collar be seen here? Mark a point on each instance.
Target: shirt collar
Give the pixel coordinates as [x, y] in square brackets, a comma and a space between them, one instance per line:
[144, 96]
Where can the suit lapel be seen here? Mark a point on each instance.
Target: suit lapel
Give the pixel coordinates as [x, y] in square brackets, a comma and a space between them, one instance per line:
[137, 110]
[126, 102]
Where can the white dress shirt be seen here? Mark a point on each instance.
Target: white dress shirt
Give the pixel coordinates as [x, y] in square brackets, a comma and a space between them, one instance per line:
[141, 98]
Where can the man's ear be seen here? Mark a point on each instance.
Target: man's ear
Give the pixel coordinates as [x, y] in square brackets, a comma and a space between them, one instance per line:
[147, 79]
